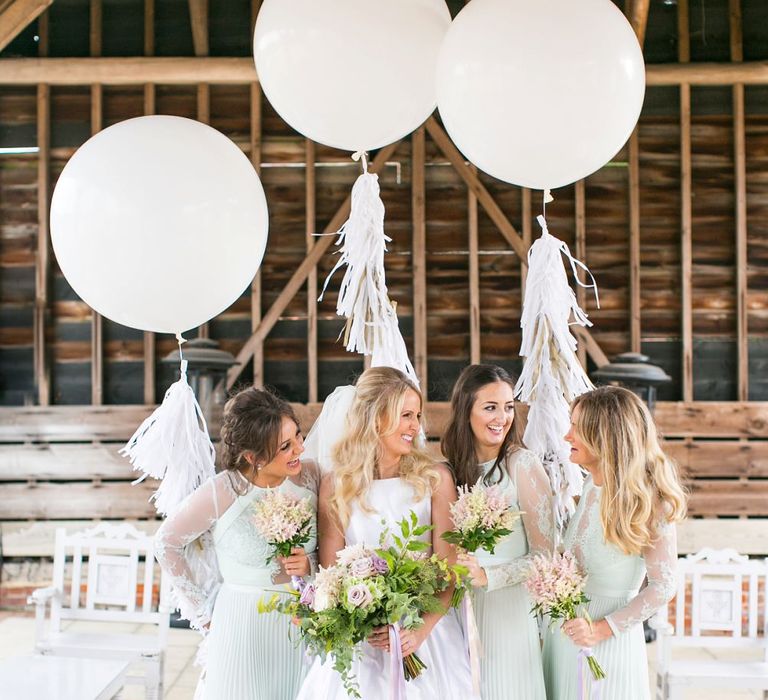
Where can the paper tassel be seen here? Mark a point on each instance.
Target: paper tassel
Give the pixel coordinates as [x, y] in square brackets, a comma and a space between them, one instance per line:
[552, 375]
[173, 445]
[372, 327]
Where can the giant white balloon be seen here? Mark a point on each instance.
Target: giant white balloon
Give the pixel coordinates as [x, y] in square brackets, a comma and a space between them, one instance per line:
[159, 223]
[540, 93]
[352, 74]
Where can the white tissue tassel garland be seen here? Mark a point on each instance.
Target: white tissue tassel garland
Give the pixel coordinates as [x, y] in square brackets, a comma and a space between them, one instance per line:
[552, 375]
[173, 445]
[372, 327]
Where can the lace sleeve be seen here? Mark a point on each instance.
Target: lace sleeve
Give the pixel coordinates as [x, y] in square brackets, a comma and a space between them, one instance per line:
[309, 479]
[535, 500]
[195, 515]
[660, 561]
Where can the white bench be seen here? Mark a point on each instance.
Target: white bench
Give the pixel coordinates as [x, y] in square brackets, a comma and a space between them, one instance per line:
[710, 584]
[39, 677]
[119, 558]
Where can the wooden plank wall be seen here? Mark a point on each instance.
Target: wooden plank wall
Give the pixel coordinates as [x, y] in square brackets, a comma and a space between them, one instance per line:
[674, 230]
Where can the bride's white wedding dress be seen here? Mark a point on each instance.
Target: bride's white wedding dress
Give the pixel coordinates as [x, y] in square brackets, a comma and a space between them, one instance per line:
[447, 676]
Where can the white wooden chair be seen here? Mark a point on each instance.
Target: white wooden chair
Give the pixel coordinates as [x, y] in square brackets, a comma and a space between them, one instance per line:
[710, 586]
[118, 558]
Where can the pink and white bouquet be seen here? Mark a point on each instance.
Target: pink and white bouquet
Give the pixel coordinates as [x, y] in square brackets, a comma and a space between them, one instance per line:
[365, 589]
[556, 586]
[482, 517]
[284, 521]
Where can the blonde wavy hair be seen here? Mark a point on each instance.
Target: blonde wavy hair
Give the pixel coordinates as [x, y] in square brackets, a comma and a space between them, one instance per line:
[375, 413]
[641, 485]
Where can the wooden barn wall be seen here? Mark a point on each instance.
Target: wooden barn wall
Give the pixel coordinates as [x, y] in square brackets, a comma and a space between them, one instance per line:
[59, 428]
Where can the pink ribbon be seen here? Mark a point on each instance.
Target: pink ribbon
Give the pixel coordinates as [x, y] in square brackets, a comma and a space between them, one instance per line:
[397, 676]
[472, 639]
[584, 674]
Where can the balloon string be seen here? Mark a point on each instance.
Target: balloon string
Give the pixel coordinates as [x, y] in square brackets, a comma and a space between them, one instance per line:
[182, 361]
[363, 157]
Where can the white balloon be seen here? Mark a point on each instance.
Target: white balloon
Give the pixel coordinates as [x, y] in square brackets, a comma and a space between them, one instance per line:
[352, 74]
[540, 93]
[159, 223]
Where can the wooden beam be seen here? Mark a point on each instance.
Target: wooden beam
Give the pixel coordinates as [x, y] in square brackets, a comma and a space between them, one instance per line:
[17, 15]
[525, 227]
[241, 71]
[42, 262]
[713, 420]
[635, 330]
[148, 339]
[684, 73]
[419, 265]
[474, 275]
[580, 206]
[198, 17]
[686, 219]
[97, 110]
[127, 71]
[255, 134]
[638, 18]
[740, 196]
[310, 197]
[302, 272]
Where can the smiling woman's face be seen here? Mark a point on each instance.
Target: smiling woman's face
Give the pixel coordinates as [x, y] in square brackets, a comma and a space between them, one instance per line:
[579, 453]
[491, 418]
[400, 442]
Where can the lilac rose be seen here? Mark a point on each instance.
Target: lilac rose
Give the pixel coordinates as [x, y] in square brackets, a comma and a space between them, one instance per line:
[359, 596]
[362, 567]
[380, 566]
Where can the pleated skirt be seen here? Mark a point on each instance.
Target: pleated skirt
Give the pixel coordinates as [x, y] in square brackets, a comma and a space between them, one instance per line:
[251, 656]
[447, 676]
[510, 666]
[623, 659]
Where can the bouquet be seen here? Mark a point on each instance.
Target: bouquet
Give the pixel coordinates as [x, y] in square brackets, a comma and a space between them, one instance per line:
[482, 518]
[369, 588]
[557, 588]
[285, 522]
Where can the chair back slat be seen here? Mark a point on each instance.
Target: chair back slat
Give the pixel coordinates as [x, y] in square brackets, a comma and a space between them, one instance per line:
[119, 561]
[722, 588]
[77, 570]
[149, 577]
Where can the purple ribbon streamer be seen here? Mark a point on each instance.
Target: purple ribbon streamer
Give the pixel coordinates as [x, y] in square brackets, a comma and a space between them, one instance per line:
[397, 676]
[595, 687]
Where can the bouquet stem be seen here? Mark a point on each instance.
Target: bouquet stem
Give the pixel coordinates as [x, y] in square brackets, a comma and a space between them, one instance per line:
[597, 671]
[458, 595]
[412, 667]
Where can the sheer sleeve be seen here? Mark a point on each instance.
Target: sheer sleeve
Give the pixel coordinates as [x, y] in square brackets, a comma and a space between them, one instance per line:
[535, 500]
[309, 479]
[660, 561]
[195, 515]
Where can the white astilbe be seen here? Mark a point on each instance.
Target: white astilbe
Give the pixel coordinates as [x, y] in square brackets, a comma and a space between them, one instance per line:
[552, 375]
[372, 327]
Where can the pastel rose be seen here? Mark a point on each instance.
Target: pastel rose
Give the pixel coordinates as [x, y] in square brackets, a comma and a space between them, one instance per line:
[380, 566]
[359, 596]
[362, 568]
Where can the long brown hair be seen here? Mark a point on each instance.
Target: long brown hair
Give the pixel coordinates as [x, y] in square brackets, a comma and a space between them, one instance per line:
[252, 422]
[641, 486]
[458, 442]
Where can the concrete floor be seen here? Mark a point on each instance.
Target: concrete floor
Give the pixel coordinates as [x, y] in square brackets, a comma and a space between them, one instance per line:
[17, 637]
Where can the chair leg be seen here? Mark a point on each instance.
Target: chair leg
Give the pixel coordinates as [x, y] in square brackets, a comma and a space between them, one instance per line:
[153, 689]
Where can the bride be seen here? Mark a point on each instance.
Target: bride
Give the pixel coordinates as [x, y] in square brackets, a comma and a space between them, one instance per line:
[381, 472]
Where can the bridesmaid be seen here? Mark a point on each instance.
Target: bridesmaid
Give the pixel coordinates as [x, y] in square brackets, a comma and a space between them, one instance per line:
[623, 528]
[480, 445]
[251, 656]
